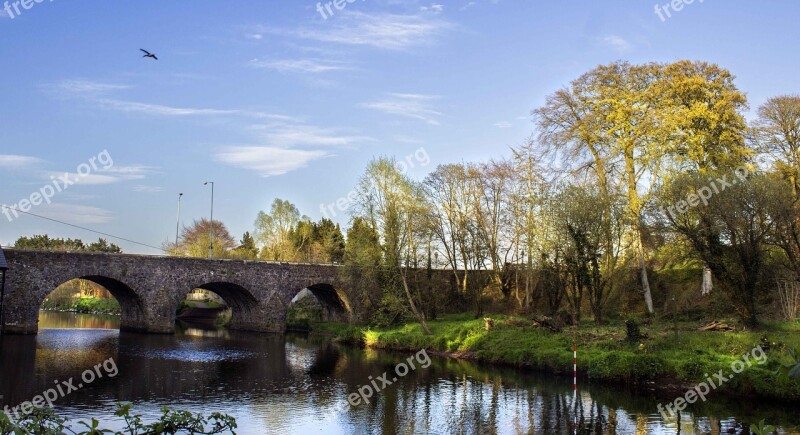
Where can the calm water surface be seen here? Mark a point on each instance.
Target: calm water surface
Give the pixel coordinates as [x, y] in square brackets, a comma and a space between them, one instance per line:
[299, 384]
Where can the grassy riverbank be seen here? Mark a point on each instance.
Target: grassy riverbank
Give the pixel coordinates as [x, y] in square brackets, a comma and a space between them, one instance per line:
[666, 359]
[84, 305]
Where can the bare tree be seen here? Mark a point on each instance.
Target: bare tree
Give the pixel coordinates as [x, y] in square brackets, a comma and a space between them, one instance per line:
[492, 209]
[448, 191]
[776, 133]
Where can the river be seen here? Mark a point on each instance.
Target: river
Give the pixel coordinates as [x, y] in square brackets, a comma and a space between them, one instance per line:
[301, 384]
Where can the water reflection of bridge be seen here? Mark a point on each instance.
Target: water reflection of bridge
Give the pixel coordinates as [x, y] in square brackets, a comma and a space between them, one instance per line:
[275, 382]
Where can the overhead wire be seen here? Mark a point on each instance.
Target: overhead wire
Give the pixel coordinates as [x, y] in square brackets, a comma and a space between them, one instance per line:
[15, 210]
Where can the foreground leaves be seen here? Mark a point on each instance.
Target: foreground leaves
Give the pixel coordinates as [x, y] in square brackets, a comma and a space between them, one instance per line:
[44, 421]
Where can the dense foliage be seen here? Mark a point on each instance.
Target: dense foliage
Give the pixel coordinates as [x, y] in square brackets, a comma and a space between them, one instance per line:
[637, 174]
[45, 243]
[44, 421]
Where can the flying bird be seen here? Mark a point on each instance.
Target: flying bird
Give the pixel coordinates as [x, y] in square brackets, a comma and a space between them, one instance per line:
[148, 54]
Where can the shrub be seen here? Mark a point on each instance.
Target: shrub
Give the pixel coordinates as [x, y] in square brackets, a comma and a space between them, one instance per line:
[46, 421]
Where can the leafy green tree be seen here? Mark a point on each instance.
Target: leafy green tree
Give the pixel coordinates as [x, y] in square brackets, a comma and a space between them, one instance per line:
[102, 245]
[272, 230]
[729, 231]
[194, 240]
[398, 210]
[702, 112]
[329, 235]
[626, 123]
[302, 238]
[363, 266]
[247, 249]
[607, 121]
[45, 243]
[592, 261]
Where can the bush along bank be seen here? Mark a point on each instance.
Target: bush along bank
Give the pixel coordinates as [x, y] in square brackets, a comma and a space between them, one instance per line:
[85, 306]
[660, 359]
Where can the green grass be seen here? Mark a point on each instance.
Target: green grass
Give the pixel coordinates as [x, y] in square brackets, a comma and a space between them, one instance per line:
[97, 305]
[84, 305]
[665, 358]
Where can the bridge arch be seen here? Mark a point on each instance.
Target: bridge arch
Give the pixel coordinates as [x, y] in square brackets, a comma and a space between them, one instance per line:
[243, 304]
[132, 310]
[334, 301]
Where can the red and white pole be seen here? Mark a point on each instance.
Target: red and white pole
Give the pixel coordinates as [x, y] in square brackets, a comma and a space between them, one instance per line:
[575, 384]
[575, 367]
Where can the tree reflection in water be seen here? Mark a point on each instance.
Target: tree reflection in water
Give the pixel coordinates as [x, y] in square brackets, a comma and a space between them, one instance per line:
[300, 384]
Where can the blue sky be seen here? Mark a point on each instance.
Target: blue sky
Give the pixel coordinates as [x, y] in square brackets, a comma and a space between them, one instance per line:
[269, 99]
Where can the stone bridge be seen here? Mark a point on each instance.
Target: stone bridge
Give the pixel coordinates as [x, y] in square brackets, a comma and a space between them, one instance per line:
[150, 288]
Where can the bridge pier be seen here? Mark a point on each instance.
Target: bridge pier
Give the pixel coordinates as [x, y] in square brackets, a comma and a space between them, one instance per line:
[252, 322]
[147, 321]
[276, 321]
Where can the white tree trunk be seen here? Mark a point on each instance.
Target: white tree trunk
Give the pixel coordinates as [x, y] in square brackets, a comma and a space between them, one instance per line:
[648, 298]
[708, 284]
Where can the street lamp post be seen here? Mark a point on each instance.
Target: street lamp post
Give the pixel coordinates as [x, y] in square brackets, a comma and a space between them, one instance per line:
[211, 229]
[178, 222]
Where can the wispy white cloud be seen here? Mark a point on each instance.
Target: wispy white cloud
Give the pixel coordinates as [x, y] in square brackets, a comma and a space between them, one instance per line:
[11, 161]
[112, 175]
[407, 139]
[283, 147]
[383, 31]
[72, 87]
[434, 7]
[502, 124]
[132, 172]
[76, 214]
[98, 93]
[273, 116]
[300, 65]
[269, 161]
[618, 43]
[416, 106]
[147, 189]
[161, 110]
[291, 135]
